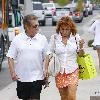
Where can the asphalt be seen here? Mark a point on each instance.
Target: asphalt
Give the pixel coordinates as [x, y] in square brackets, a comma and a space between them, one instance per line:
[85, 90]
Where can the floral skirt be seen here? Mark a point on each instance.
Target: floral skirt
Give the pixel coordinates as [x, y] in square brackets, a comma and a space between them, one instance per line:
[63, 80]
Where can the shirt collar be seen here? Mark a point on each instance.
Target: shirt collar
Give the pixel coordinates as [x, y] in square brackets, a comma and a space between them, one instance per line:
[60, 37]
[35, 37]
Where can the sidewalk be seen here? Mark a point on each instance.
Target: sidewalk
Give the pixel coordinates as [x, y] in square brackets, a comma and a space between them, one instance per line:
[86, 88]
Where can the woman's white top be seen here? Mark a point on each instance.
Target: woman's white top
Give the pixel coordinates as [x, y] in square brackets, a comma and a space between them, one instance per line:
[29, 54]
[66, 53]
[95, 29]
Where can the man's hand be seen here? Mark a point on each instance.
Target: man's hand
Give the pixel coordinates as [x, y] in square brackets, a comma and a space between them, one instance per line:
[14, 76]
[46, 73]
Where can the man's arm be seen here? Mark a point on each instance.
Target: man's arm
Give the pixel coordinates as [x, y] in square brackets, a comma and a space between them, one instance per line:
[12, 70]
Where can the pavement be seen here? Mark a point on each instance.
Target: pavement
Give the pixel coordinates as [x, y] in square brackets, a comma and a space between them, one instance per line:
[86, 88]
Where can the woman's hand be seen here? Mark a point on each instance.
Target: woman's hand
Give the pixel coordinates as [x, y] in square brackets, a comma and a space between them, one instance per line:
[81, 42]
[81, 50]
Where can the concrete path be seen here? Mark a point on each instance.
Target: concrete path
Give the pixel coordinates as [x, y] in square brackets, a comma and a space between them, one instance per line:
[86, 88]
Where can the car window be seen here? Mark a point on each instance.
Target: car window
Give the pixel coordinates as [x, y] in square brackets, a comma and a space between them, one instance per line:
[72, 9]
[37, 7]
[62, 9]
[48, 5]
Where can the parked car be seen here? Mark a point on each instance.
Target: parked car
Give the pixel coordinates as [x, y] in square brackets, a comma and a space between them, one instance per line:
[51, 8]
[48, 13]
[77, 16]
[39, 12]
[90, 9]
[62, 11]
[96, 7]
[85, 12]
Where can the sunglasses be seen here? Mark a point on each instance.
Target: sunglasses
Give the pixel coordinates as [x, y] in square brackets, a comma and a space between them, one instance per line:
[68, 30]
[35, 26]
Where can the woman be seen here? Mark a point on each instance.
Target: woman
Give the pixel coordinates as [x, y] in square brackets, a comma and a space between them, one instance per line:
[66, 49]
[95, 29]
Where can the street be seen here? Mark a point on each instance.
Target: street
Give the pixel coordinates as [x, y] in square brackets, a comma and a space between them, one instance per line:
[47, 31]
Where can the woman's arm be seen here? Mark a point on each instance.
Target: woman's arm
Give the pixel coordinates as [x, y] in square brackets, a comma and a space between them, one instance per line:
[81, 50]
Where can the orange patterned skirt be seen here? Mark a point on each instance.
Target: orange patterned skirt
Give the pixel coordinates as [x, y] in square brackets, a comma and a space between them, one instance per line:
[63, 80]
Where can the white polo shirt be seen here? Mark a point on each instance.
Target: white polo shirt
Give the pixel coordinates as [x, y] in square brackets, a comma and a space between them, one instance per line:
[29, 54]
[67, 54]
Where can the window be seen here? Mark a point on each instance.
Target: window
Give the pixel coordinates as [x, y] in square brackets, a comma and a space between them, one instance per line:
[18, 19]
[14, 4]
[10, 21]
[37, 7]
[15, 19]
[21, 1]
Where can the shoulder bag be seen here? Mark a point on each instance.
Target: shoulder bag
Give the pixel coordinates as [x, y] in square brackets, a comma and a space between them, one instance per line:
[54, 63]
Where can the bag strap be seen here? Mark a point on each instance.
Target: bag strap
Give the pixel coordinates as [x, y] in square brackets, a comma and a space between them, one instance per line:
[76, 44]
[54, 44]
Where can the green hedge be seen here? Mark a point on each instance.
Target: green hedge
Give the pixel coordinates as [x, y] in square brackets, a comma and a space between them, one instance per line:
[90, 43]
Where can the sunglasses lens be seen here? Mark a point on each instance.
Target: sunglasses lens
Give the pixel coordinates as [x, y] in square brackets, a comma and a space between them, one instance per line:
[35, 26]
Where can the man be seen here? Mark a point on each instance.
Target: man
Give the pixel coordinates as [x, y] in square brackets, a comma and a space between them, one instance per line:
[28, 49]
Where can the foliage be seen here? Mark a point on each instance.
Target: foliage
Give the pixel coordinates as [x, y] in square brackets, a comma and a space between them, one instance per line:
[79, 6]
[90, 43]
[95, 1]
[62, 2]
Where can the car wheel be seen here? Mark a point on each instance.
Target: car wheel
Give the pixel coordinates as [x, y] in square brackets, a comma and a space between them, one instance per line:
[43, 23]
[53, 23]
[91, 12]
[80, 20]
[86, 14]
[0, 65]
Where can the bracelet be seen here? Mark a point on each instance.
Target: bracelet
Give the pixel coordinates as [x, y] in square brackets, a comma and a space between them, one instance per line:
[81, 49]
[12, 73]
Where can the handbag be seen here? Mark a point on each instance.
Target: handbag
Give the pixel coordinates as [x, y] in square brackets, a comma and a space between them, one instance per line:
[54, 63]
[87, 68]
[86, 65]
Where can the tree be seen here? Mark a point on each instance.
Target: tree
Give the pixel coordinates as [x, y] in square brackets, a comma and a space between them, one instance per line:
[80, 5]
[62, 2]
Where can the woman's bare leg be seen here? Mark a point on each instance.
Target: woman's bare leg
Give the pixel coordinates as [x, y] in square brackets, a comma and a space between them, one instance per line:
[98, 51]
[63, 93]
[72, 92]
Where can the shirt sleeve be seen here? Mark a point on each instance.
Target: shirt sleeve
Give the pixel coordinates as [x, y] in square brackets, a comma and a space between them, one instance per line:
[45, 47]
[92, 28]
[51, 45]
[12, 52]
